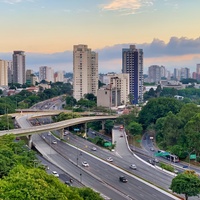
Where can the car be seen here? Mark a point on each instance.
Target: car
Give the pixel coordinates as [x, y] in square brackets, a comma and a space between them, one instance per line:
[68, 183]
[151, 161]
[152, 149]
[123, 179]
[85, 164]
[110, 159]
[48, 133]
[155, 160]
[55, 173]
[133, 166]
[65, 133]
[121, 136]
[94, 148]
[176, 171]
[54, 142]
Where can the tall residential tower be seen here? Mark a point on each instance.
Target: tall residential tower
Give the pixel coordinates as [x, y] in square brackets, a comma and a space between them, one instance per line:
[19, 67]
[85, 71]
[132, 63]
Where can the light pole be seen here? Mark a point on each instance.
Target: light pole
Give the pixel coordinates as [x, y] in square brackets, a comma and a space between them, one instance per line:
[189, 153]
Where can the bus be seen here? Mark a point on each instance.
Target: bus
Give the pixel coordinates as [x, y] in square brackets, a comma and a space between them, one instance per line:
[168, 156]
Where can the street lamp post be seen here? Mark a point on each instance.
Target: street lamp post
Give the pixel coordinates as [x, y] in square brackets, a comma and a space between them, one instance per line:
[189, 153]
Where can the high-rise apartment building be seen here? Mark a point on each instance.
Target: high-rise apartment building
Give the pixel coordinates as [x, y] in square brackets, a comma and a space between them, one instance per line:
[132, 63]
[19, 67]
[85, 71]
[46, 73]
[185, 73]
[3, 73]
[154, 75]
[198, 69]
[10, 71]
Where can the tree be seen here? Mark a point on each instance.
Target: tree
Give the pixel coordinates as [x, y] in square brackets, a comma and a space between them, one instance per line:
[134, 128]
[186, 183]
[156, 108]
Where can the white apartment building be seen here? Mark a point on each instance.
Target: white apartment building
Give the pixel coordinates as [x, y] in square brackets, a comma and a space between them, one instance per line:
[154, 74]
[85, 71]
[59, 76]
[3, 73]
[120, 82]
[19, 67]
[46, 73]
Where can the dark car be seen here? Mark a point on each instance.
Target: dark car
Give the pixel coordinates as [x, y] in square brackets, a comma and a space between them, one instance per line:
[123, 179]
[151, 161]
[68, 183]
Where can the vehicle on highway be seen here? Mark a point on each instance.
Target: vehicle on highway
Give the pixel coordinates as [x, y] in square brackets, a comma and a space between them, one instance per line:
[65, 133]
[48, 133]
[155, 160]
[151, 161]
[123, 179]
[94, 148]
[168, 156]
[55, 173]
[121, 135]
[54, 142]
[133, 166]
[152, 149]
[110, 159]
[85, 164]
[68, 183]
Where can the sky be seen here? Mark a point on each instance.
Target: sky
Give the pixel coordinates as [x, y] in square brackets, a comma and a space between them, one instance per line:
[168, 31]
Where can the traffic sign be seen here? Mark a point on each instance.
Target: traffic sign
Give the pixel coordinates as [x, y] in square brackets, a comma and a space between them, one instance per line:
[193, 157]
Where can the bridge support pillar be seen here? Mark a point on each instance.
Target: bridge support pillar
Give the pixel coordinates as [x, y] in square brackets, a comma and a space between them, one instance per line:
[61, 131]
[85, 126]
[30, 141]
[103, 124]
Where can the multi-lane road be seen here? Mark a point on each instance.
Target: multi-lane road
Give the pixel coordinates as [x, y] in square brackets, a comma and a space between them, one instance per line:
[101, 175]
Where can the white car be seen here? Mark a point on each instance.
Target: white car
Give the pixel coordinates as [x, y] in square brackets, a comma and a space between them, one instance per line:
[48, 133]
[54, 142]
[133, 166]
[55, 173]
[110, 159]
[65, 133]
[94, 148]
[156, 160]
[85, 164]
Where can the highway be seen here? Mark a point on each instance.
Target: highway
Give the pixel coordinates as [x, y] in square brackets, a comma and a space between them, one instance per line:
[102, 176]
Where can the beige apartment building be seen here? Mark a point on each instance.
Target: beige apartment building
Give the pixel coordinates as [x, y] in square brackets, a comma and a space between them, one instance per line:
[85, 71]
[120, 82]
[3, 73]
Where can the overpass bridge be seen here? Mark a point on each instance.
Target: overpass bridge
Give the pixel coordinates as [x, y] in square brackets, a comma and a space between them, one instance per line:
[54, 126]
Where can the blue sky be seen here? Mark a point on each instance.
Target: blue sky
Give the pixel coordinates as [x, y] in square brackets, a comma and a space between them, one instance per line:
[168, 31]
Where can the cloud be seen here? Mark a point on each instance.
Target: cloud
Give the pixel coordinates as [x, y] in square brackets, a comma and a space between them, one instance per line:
[127, 6]
[15, 1]
[178, 52]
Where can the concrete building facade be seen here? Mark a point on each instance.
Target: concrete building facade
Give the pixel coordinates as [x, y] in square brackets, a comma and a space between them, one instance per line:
[3, 73]
[132, 63]
[154, 74]
[46, 73]
[19, 67]
[85, 71]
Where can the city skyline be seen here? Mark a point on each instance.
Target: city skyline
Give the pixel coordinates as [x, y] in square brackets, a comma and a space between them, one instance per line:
[166, 30]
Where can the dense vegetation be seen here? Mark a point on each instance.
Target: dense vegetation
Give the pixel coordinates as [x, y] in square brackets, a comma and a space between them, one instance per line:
[23, 177]
[26, 99]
